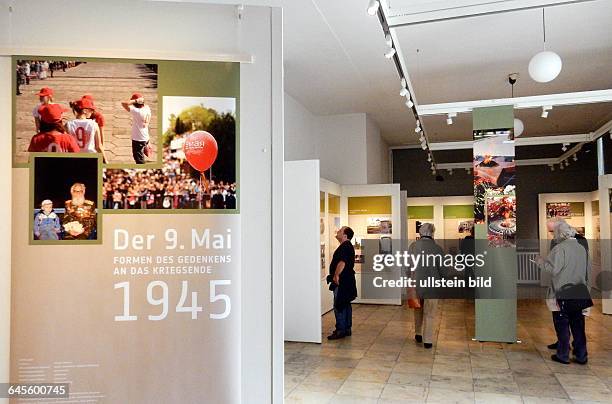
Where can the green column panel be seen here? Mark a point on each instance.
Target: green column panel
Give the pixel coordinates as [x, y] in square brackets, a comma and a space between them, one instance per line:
[495, 318]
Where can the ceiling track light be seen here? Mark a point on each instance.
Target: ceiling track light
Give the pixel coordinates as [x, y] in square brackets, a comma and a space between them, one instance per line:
[373, 7]
[564, 147]
[449, 118]
[450, 171]
[567, 163]
[410, 104]
[468, 170]
[545, 110]
[575, 157]
[561, 167]
[390, 53]
[389, 40]
[403, 92]
[552, 167]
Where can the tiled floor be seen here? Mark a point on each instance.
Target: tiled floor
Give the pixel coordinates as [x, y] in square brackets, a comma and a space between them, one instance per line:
[381, 363]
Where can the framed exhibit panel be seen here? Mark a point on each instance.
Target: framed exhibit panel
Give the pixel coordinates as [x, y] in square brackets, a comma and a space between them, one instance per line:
[605, 226]
[451, 215]
[373, 213]
[153, 251]
[458, 222]
[416, 215]
[575, 208]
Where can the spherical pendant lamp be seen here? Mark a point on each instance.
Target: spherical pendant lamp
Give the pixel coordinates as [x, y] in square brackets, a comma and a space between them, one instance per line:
[518, 127]
[545, 66]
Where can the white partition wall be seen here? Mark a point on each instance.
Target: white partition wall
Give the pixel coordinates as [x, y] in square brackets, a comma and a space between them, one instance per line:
[183, 31]
[302, 230]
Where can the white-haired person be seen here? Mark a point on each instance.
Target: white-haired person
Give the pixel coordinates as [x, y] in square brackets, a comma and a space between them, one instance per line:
[568, 264]
[425, 317]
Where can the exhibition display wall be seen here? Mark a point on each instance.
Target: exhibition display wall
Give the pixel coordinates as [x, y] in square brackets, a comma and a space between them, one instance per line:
[316, 209]
[303, 251]
[134, 284]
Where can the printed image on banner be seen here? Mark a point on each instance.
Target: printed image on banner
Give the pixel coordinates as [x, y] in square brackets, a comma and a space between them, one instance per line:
[198, 164]
[494, 185]
[126, 231]
[86, 106]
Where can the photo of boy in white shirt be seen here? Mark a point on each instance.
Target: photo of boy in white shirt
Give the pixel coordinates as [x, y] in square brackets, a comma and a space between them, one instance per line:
[141, 116]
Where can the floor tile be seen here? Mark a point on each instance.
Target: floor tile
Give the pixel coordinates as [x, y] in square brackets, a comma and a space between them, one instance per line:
[488, 398]
[403, 392]
[361, 389]
[446, 396]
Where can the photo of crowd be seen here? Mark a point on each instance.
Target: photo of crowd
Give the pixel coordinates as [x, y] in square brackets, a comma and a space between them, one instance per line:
[65, 191]
[72, 106]
[178, 185]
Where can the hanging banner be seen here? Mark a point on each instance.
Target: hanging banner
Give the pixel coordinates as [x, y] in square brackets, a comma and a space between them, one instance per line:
[495, 222]
[126, 229]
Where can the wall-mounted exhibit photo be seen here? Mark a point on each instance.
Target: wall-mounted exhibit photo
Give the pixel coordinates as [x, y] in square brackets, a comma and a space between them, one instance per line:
[65, 195]
[379, 225]
[198, 163]
[86, 106]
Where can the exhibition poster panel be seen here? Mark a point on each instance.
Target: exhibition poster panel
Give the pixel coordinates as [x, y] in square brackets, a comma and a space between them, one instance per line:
[571, 212]
[333, 224]
[418, 215]
[370, 218]
[458, 222]
[126, 229]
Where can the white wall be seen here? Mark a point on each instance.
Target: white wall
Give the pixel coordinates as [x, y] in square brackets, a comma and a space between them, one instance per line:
[349, 146]
[302, 247]
[342, 148]
[301, 138]
[377, 154]
[179, 31]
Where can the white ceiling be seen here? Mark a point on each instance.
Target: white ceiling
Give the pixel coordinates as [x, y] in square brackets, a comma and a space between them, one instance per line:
[334, 63]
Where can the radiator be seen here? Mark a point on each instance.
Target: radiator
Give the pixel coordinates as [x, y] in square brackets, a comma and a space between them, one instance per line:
[528, 272]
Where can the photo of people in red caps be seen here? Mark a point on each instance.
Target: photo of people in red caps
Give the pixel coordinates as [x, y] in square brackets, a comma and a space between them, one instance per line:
[99, 93]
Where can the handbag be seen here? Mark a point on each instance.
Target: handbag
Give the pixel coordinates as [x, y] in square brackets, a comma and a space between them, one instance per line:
[574, 298]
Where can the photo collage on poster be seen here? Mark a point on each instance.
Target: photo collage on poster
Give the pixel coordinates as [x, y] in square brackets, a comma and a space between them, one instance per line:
[100, 137]
[494, 186]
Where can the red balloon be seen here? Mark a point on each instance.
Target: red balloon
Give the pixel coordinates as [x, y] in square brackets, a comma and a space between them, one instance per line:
[201, 149]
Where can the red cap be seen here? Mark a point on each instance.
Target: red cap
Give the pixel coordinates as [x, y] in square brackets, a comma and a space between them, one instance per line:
[51, 113]
[85, 103]
[88, 97]
[136, 96]
[45, 92]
